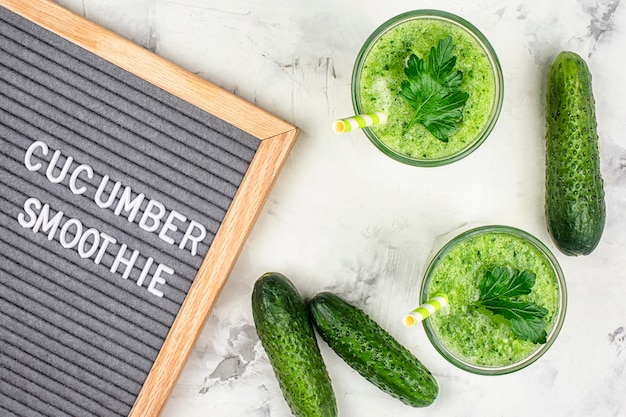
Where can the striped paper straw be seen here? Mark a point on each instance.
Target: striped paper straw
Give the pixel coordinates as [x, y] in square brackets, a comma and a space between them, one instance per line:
[359, 121]
[425, 310]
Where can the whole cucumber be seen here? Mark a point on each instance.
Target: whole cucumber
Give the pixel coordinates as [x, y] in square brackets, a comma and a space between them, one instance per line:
[574, 205]
[372, 351]
[286, 333]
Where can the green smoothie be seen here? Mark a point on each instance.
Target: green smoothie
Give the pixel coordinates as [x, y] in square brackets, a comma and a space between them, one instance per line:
[380, 71]
[473, 335]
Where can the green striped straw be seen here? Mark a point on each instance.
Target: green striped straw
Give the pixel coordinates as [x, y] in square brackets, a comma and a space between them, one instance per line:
[359, 121]
[425, 310]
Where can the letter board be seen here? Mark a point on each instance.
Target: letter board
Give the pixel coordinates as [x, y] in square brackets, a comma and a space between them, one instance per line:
[128, 187]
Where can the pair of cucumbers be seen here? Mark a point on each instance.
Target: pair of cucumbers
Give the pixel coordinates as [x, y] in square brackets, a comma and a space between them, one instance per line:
[285, 325]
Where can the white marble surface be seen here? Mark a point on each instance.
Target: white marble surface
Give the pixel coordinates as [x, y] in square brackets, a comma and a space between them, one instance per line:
[346, 218]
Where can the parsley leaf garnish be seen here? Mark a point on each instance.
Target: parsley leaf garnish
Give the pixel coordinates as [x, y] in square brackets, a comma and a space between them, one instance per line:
[433, 89]
[499, 291]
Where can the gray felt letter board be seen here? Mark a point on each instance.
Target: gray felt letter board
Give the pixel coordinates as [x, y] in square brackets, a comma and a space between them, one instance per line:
[127, 189]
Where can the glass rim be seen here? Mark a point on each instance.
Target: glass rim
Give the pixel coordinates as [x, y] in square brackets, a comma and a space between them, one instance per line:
[559, 314]
[481, 40]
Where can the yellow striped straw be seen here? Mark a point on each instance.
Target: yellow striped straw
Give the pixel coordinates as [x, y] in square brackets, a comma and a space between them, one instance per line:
[359, 121]
[425, 310]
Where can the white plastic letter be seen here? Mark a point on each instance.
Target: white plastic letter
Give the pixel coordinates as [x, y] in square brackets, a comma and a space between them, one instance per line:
[29, 204]
[47, 224]
[29, 155]
[158, 279]
[83, 241]
[74, 177]
[52, 165]
[153, 217]
[130, 205]
[145, 270]
[170, 226]
[194, 239]
[106, 239]
[63, 235]
[100, 191]
[130, 262]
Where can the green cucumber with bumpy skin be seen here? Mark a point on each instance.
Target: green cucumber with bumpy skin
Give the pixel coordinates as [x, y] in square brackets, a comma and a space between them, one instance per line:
[372, 351]
[575, 206]
[287, 335]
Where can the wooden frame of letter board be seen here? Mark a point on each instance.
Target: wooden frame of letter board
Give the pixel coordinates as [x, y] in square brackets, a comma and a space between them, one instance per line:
[277, 138]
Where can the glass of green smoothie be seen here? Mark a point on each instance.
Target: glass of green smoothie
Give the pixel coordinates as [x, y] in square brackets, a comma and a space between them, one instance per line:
[487, 328]
[448, 106]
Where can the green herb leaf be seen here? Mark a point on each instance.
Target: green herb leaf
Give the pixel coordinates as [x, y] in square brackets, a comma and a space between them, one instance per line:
[433, 89]
[499, 289]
